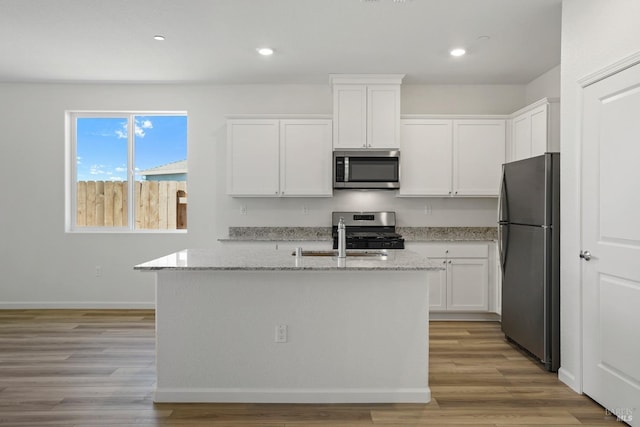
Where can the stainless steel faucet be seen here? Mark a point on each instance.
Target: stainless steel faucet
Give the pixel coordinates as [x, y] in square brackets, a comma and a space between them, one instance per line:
[342, 239]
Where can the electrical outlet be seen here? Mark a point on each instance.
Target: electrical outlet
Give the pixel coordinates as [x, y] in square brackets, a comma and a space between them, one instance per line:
[281, 333]
[243, 210]
[98, 271]
[305, 210]
[427, 209]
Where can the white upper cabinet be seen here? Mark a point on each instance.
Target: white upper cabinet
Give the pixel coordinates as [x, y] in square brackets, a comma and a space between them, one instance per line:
[426, 152]
[279, 158]
[535, 130]
[383, 116]
[253, 157]
[366, 111]
[521, 137]
[478, 155]
[350, 116]
[305, 158]
[443, 157]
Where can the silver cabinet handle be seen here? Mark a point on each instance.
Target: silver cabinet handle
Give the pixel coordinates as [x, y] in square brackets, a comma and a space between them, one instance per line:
[585, 255]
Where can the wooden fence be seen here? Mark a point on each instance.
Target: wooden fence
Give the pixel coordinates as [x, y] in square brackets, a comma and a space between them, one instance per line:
[159, 204]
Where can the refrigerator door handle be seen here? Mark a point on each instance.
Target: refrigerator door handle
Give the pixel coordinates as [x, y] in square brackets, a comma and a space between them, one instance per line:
[500, 247]
[503, 238]
[502, 200]
[503, 217]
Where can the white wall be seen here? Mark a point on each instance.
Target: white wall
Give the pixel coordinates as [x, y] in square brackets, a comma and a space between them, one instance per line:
[595, 34]
[41, 265]
[546, 85]
[462, 99]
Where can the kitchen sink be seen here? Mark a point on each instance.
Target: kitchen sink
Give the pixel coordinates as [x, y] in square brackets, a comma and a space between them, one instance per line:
[333, 253]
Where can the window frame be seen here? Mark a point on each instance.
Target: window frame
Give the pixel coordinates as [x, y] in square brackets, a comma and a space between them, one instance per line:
[71, 196]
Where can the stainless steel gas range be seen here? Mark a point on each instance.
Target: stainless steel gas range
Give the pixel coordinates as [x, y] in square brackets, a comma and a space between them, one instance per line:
[368, 230]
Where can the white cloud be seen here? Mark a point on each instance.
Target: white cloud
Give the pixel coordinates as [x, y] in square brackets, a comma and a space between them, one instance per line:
[97, 170]
[122, 133]
[140, 127]
[101, 134]
[139, 131]
[120, 169]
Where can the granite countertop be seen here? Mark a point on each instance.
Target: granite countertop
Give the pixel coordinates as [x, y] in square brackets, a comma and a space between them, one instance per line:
[410, 234]
[430, 234]
[279, 233]
[282, 260]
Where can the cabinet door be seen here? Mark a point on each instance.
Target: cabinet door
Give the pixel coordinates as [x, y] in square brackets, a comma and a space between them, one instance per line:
[383, 116]
[478, 154]
[521, 137]
[539, 132]
[349, 116]
[437, 281]
[253, 158]
[305, 158]
[467, 284]
[425, 157]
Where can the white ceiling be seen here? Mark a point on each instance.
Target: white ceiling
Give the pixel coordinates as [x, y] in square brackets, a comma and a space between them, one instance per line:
[215, 40]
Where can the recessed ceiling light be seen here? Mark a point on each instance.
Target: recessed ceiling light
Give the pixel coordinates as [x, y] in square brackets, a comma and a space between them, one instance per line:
[457, 52]
[158, 37]
[265, 51]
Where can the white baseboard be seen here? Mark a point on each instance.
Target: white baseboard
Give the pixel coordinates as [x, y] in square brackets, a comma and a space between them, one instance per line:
[570, 380]
[313, 395]
[87, 305]
[467, 317]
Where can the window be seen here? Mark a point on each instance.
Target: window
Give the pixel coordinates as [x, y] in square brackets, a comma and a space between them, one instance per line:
[127, 171]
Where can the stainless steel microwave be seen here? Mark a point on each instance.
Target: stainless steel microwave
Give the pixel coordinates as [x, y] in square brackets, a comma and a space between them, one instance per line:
[366, 169]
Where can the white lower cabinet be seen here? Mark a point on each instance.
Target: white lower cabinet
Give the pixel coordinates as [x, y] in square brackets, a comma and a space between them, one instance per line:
[463, 286]
[438, 287]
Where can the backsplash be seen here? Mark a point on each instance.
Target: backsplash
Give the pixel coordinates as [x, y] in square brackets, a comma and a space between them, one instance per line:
[416, 234]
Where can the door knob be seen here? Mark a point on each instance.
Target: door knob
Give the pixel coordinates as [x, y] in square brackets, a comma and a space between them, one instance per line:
[585, 255]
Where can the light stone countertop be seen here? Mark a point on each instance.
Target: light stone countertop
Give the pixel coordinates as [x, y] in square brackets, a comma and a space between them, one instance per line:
[282, 260]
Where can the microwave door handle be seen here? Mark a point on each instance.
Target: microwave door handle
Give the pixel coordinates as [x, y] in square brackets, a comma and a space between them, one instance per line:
[346, 169]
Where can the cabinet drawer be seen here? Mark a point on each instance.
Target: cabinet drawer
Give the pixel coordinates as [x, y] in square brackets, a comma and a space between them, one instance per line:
[468, 251]
[450, 250]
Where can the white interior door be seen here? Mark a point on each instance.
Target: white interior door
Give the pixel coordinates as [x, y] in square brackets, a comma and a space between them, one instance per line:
[611, 233]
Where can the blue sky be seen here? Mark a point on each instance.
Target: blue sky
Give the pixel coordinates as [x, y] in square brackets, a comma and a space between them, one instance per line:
[102, 145]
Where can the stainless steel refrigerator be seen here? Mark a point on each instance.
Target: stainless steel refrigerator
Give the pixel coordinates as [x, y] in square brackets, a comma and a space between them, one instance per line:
[529, 242]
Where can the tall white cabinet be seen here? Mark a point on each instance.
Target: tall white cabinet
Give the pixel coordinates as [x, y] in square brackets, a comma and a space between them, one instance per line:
[366, 111]
[451, 157]
[535, 130]
[279, 157]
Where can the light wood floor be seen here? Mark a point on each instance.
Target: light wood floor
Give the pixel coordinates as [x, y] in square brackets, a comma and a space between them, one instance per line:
[96, 367]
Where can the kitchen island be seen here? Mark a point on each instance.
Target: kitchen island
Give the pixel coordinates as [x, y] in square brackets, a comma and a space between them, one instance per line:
[261, 325]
